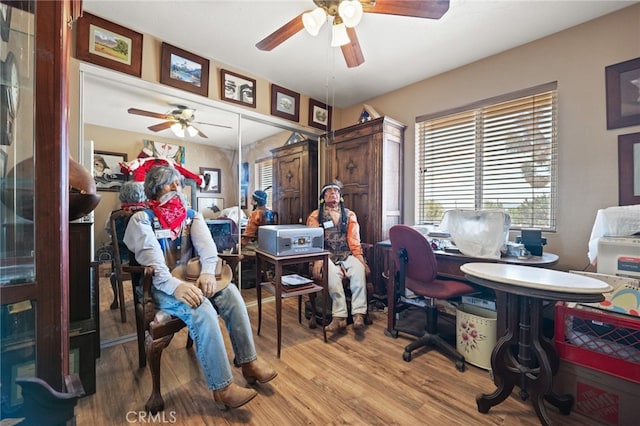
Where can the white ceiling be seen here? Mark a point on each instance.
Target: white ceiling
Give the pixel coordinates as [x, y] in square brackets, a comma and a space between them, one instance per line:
[398, 50]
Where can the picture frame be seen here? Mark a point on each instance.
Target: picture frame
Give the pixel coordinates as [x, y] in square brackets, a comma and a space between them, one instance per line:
[214, 185]
[110, 45]
[184, 70]
[106, 170]
[629, 169]
[237, 88]
[5, 21]
[320, 115]
[244, 197]
[189, 193]
[207, 205]
[285, 103]
[623, 94]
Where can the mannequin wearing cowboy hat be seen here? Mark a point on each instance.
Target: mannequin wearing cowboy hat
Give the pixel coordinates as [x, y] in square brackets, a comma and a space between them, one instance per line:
[342, 239]
[199, 302]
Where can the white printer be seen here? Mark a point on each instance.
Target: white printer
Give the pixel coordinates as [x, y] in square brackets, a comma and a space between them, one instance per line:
[286, 240]
[619, 256]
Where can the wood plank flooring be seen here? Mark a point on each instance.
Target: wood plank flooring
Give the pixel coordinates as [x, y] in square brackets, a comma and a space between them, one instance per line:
[347, 381]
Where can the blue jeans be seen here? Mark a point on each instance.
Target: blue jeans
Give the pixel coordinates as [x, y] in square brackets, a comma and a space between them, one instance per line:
[204, 328]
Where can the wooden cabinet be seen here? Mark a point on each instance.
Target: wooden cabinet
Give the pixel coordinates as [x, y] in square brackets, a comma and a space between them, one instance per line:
[368, 159]
[34, 258]
[295, 181]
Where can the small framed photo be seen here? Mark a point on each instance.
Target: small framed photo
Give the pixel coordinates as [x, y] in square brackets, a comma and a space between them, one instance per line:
[237, 88]
[209, 206]
[320, 115]
[212, 179]
[184, 70]
[109, 45]
[623, 94]
[629, 169]
[106, 170]
[244, 197]
[285, 103]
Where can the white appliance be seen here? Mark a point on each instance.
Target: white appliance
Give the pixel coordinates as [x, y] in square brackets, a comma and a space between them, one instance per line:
[619, 256]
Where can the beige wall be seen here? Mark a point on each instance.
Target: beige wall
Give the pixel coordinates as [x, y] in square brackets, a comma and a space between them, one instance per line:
[576, 59]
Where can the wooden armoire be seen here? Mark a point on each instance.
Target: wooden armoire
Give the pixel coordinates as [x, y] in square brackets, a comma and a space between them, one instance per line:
[367, 159]
[295, 181]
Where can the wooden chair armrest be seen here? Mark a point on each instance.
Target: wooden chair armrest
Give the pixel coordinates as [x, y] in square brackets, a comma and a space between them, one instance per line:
[146, 303]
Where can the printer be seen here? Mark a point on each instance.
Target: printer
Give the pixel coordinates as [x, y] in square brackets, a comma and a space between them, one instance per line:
[287, 240]
[619, 256]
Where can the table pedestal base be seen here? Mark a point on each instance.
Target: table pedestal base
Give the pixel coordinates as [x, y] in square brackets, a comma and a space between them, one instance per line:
[523, 330]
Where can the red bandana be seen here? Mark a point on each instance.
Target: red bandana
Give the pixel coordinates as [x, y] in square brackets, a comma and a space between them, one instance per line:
[171, 213]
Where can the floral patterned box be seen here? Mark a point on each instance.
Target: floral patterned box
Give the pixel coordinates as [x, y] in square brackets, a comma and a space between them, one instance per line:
[476, 334]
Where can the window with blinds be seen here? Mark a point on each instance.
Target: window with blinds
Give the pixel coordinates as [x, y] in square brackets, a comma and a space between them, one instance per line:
[497, 154]
[264, 178]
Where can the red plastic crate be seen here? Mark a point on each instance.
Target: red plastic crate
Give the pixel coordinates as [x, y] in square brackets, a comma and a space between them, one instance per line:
[598, 340]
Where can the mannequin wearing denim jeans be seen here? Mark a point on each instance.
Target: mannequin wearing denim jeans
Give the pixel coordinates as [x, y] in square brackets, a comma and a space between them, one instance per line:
[198, 304]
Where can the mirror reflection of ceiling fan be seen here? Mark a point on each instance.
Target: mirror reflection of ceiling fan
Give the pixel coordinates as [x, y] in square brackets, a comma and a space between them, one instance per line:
[344, 15]
[180, 120]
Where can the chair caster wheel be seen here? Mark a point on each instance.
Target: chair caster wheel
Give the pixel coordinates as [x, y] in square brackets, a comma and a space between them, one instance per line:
[460, 366]
[406, 356]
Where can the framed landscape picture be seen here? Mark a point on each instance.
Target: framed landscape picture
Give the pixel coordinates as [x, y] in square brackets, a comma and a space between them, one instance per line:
[184, 70]
[237, 88]
[285, 103]
[320, 115]
[110, 45]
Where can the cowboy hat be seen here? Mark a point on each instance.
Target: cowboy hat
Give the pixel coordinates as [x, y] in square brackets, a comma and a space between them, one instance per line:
[191, 272]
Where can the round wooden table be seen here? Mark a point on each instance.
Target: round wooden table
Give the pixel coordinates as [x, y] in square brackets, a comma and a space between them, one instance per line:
[520, 291]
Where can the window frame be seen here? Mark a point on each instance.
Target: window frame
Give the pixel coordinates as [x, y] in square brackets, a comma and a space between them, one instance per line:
[462, 139]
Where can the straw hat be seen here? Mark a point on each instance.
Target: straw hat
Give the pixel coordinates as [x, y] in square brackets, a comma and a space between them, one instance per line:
[191, 272]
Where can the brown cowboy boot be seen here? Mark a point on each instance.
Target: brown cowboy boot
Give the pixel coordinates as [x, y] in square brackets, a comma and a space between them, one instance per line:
[233, 396]
[337, 324]
[358, 321]
[258, 371]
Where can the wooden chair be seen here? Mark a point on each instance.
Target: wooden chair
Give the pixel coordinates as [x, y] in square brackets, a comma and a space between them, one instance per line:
[118, 221]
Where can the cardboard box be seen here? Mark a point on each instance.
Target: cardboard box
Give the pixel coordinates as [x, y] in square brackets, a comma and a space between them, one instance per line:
[600, 396]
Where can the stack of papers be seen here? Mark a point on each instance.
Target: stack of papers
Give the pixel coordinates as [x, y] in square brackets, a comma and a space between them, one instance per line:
[295, 279]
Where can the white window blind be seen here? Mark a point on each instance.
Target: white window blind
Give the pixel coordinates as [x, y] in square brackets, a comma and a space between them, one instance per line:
[497, 154]
[264, 179]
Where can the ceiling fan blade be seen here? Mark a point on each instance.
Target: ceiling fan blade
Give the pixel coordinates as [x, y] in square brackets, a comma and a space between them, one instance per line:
[161, 126]
[148, 113]
[200, 132]
[352, 52]
[211, 124]
[433, 9]
[282, 34]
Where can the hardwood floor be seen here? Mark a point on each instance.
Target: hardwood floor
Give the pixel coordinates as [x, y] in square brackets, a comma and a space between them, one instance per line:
[345, 381]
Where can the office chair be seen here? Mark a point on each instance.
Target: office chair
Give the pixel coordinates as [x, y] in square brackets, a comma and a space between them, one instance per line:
[416, 270]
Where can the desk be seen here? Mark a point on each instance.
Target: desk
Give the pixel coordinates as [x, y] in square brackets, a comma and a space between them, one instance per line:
[520, 291]
[275, 287]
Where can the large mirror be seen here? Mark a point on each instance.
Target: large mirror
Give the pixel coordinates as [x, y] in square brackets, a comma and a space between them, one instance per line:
[236, 153]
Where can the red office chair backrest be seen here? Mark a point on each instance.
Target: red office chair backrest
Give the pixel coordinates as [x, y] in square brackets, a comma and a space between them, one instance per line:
[422, 265]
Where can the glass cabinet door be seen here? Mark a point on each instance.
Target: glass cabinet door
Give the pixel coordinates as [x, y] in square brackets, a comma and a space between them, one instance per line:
[17, 188]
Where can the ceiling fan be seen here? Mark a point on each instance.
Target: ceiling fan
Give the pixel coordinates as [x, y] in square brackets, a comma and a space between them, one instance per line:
[179, 120]
[345, 16]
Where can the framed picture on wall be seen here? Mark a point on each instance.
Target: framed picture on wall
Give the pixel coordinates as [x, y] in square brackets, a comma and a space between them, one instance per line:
[320, 115]
[244, 197]
[285, 103]
[184, 70]
[209, 206]
[629, 169]
[623, 94]
[106, 170]
[110, 45]
[237, 88]
[212, 179]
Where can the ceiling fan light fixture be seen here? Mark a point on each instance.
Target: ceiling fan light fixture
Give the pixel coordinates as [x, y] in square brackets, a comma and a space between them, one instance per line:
[177, 129]
[192, 130]
[339, 36]
[314, 20]
[351, 12]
